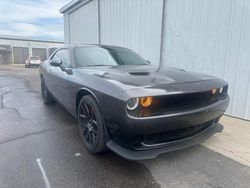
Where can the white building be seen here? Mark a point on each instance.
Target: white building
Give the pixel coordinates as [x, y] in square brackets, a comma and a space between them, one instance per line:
[18, 49]
[205, 36]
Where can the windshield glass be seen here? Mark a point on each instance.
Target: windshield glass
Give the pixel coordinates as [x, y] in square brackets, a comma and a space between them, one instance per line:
[102, 56]
[34, 58]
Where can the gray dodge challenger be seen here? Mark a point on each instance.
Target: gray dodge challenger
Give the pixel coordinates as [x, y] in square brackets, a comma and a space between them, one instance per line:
[123, 103]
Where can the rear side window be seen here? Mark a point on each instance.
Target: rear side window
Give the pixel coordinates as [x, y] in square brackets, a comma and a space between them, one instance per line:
[62, 55]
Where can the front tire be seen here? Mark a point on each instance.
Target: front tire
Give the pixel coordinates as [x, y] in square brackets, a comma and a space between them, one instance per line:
[91, 125]
[47, 98]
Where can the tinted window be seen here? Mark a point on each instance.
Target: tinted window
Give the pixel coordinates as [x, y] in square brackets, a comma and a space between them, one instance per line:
[94, 56]
[62, 55]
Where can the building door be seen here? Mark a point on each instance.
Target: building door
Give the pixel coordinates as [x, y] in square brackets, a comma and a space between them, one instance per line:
[5, 54]
[20, 54]
[41, 52]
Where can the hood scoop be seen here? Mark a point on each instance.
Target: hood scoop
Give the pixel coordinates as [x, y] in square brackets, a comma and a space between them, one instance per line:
[138, 73]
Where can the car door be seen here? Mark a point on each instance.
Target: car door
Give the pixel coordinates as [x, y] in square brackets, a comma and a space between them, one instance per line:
[61, 84]
[51, 78]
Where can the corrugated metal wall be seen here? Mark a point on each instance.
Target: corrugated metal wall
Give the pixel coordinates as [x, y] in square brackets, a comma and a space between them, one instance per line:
[135, 24]
[209, 36]
[83, 24]
[66, 28]
[212, 36]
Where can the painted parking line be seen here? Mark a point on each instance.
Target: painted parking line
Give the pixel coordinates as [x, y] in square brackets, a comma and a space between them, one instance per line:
[46, 180]
[77, 154]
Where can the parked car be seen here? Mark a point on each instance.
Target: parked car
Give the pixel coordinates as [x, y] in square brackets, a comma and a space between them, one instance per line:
[131, 107]
[33, 61]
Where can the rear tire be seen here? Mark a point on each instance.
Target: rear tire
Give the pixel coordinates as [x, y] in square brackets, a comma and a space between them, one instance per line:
[47, 98]
[91, 125]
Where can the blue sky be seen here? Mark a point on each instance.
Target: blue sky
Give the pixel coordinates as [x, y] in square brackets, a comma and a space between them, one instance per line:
[38, 19]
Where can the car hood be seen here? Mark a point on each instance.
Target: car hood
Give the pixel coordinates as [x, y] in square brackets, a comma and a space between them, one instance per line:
[134, 76]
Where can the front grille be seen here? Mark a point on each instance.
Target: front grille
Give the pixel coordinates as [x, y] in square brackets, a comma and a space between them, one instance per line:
[179, 102]
[175, 135]
[186, 100]
[175, 103]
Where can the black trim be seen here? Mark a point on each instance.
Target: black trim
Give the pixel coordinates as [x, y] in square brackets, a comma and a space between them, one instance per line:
[168, 147]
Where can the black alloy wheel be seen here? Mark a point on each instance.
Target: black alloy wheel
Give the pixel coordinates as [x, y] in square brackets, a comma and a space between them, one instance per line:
[91, 125]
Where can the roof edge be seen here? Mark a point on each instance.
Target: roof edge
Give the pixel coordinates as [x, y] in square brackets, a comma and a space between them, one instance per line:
[69, 5]
[73, 4]
[8, 37]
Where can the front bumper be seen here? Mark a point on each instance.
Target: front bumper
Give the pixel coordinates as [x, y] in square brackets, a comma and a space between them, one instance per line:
[128, 140]
[33, 64]
[167, 147]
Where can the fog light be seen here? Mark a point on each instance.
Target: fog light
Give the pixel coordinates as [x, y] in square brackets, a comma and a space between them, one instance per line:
[132, 103]
[146, 101]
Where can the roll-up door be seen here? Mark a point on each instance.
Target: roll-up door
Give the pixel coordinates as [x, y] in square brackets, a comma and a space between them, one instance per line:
[20, 54]
[41, 52]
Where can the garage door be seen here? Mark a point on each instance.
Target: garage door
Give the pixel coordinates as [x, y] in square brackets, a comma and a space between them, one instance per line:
[41, 52]
[20, 54]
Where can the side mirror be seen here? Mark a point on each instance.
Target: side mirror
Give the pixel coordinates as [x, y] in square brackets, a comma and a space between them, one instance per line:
[55, 63]
[148, 62]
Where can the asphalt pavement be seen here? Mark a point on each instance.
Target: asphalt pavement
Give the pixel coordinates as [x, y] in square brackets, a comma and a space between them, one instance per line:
[40, 146]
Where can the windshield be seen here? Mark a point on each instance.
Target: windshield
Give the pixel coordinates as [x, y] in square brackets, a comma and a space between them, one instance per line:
[34, 58]
[103, 56]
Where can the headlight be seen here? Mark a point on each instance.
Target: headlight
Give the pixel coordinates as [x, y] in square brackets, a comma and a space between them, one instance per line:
[132, 103]
[146, 101]
[214, 91]
[221, 90]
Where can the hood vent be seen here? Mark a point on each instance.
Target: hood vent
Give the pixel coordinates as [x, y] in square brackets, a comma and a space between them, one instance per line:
[139, 73]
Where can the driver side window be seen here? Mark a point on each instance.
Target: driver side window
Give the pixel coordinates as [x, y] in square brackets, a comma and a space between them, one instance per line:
[62, 55]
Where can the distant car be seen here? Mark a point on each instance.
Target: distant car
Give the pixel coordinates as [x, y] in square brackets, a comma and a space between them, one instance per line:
[135, 109]
[33, 61]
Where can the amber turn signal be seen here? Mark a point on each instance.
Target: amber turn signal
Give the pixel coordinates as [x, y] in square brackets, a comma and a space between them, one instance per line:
[146, 101]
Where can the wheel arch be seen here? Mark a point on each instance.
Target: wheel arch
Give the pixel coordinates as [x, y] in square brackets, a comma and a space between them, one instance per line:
[83, 92]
